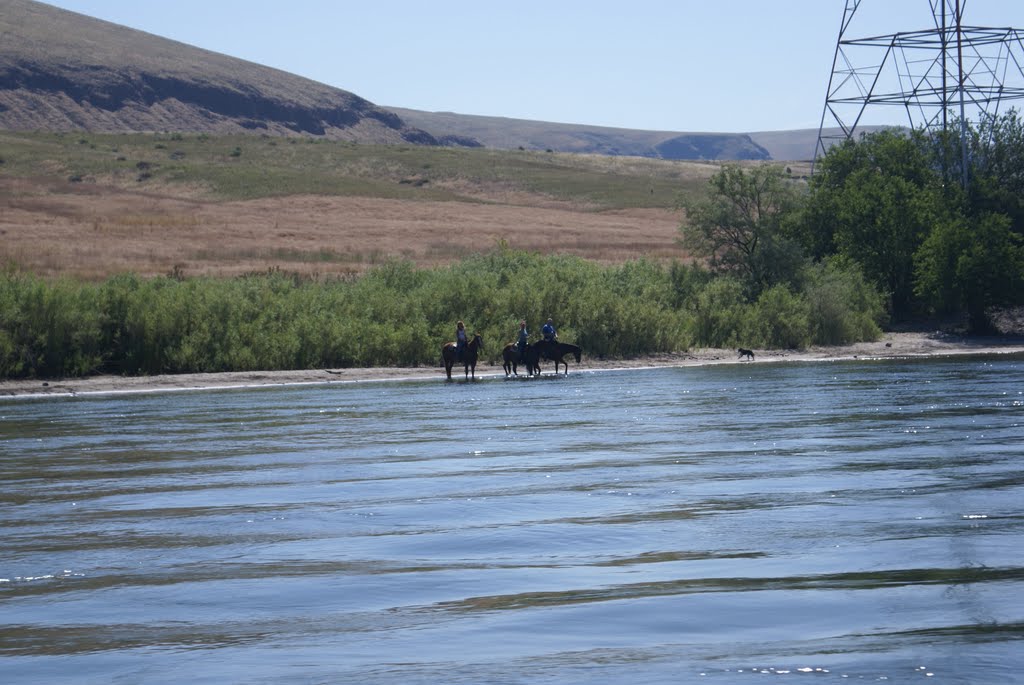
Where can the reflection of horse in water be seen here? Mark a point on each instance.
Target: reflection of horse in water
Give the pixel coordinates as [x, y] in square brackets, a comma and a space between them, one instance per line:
[469, 356]
[556, 351]
[512, 359]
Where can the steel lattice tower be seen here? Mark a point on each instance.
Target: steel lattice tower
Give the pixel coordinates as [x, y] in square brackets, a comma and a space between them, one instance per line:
[950, 71]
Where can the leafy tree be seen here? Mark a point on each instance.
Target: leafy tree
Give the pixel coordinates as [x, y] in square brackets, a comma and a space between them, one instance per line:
[875, 201]
[972, 265]
[739, 228]
[996, 171]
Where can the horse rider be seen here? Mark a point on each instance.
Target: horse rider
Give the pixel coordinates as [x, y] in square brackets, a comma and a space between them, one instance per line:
[524, 338]
[549, 332]
[461, 340]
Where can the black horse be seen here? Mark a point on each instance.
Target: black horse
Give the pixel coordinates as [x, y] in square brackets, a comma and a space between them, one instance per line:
[469, 356]
[511, 359]
[556, 351]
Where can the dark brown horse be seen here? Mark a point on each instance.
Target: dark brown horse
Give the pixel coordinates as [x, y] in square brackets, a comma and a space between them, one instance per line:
[556, 352]
[469, 356]
[511, 359]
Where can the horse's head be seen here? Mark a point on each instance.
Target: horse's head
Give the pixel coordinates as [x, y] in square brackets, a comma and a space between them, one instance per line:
[478, 341]
[578, 353]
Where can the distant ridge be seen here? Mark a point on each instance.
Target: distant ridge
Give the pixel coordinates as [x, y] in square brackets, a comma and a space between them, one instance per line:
[509, 134]
[61, 70]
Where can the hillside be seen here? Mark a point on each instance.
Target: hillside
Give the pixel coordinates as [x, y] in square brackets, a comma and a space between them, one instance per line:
[90, 205]
[511, 134]
[63, 71]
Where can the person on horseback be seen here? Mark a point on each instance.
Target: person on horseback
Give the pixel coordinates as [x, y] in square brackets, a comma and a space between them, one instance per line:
[461, 340]
[549, 332]
[524, 338]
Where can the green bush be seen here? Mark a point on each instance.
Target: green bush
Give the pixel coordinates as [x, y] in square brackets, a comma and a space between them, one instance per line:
[783, 319]
[49, 329]
[719, 312]
[843, 306]
[397, 314]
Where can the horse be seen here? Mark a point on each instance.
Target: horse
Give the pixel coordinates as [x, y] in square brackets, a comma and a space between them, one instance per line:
[469, 356]
[556, 351]
[511, 358]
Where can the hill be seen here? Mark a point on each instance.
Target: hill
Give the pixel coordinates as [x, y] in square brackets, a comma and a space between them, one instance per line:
[123, 151]
[91, 205]
[511, 134]
[63, 71]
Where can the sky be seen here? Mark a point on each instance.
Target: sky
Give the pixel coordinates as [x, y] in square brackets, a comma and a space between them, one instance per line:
[663, 65]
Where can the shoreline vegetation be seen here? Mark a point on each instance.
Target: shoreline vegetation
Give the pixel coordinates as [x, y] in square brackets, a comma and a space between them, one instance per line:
[399, 315]
[896, 345]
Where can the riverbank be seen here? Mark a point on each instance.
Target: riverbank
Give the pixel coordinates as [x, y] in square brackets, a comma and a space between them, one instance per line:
[891, 345]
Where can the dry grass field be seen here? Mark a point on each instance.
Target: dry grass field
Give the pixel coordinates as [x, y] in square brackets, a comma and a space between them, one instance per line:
[82, 207]
[91, 231]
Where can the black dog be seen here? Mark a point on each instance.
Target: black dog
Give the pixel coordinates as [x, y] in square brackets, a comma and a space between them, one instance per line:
[749, 354]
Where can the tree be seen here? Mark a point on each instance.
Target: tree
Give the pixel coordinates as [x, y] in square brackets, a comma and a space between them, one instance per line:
[739, 228]
[996, 168]
[875, 201]
[971, 266]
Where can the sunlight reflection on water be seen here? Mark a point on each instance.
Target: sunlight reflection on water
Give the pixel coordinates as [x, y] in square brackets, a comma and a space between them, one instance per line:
[857, 520]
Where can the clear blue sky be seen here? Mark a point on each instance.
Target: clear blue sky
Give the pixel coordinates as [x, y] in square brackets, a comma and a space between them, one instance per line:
[674, 65]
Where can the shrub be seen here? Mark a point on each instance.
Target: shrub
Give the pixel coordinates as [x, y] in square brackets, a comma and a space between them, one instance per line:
[718, 313]
[49, 329]
[843, 306]
[783, 319]
[398, 314]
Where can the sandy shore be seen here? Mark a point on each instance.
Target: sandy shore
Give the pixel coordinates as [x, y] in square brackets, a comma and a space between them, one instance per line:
[892, 345]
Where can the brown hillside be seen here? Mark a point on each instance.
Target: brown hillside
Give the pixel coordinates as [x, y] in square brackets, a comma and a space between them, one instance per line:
[65, 71]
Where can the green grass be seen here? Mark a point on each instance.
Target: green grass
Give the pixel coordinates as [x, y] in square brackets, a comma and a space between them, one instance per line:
[247, 167]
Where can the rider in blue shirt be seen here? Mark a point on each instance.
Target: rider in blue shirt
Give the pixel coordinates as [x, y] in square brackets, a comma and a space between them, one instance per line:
[549, 332]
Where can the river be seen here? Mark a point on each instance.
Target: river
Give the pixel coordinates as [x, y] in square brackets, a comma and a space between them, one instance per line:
[807, 522]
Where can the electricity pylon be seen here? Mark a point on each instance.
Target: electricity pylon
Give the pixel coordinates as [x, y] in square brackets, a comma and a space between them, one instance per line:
[949, 69]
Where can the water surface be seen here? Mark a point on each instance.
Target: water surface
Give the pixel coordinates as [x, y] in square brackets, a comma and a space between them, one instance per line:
[856, 520]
